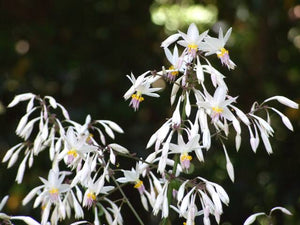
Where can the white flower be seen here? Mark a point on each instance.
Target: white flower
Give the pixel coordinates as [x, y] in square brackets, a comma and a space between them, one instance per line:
[184, 148]
[140, 86]
[192, 39]
[133, 176]
[216, 46]
[76, 147]
[177, 63]
[217, 106]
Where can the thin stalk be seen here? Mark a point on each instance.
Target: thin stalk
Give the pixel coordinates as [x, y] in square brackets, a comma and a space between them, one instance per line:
[127, 201]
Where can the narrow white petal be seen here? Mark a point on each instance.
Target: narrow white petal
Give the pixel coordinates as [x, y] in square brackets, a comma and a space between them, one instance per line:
[52, 101]
[28, 220]
[284, 119]
[114, 126]
[282, 209]
[285, 101]
[11, 151]
[170, 40]
[21, 169]
[118, 148]
[3, 202]
[238, 140]
[252, 218]
[187, 105]
[19, 98]
[199, 71]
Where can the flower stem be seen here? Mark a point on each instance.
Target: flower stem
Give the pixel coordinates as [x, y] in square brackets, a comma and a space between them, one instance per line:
[127, 201]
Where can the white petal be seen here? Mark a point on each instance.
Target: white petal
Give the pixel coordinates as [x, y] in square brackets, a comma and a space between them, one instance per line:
[229, 166]
[28, 220]
[252, 218]
[21, 169]
[118, 148]
[284, 119]
[114, 126]
[180, 192]
[199, 71]
[11, 151]
[3, 202]
[282, 209]
[187, 105]
[170, 40]
[19, 98]
[52, 101]
[238, 140]
[285, 101]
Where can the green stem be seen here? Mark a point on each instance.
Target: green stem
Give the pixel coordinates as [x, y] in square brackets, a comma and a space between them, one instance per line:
[127, 201]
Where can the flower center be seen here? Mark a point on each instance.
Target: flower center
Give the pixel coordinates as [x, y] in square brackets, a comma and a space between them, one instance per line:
[138, 184]
[53, 191]
[174, 72]
[192, 47]
[223, 53]
[73, 153]
[89, 139]
[53, 194]
[137, 97]
[217, 109]
[91, 196]
[185, 157]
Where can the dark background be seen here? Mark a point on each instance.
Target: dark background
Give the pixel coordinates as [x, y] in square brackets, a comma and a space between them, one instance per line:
[80, 52]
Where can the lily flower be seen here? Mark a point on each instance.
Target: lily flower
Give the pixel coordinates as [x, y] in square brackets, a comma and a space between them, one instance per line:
[184, 149]
[192, 39]
[216, 46]
[140, 86]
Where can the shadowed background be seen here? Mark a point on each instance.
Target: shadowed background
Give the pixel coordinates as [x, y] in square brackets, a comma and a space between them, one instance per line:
[80, 52]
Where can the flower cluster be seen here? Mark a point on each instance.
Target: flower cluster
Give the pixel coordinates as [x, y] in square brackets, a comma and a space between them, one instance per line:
[201, 111]
[70, 145]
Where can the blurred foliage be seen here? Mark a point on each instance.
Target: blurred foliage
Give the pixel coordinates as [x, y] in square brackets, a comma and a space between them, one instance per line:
[79, 51]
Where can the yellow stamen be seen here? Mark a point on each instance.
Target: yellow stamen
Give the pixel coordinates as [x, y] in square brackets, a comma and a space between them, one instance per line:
[217, 109]
[89, 138]
[91, 195]
[138, 184]
[222, 53]
[73, 152]
[175, 72]
[185, 156]
[137, 97]
[192, 47]
[53, 191]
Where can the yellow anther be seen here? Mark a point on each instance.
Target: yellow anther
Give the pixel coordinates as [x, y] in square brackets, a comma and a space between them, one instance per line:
[222, 53]
[91, 195]
[137, 97]
[89, 138]
[192, 47]
[217, 109]
[73, 152]
[138, 184]
[53, 191]
[185, 156]
[174, 72]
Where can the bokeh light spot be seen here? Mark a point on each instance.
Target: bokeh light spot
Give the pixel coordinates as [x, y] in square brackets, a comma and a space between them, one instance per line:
[22, 47]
